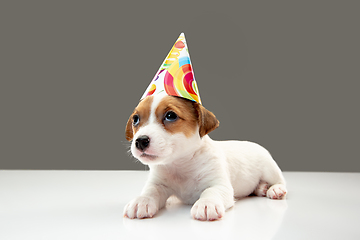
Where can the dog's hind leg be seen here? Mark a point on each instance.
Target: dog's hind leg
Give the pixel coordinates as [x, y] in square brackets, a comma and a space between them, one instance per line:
[274, 177]
[261, 189]
[277, 191]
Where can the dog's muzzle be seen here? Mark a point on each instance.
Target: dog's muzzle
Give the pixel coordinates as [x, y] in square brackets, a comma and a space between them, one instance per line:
[142, 142]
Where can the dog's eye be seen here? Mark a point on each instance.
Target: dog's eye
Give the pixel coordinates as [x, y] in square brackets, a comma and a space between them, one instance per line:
[170, 116]
[136, 120]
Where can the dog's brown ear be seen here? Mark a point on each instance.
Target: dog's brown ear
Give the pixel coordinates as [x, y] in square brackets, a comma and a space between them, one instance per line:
[206, 119]
[128, 129]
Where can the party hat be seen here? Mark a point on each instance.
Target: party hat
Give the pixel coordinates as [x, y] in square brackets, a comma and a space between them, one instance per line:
[175, 76]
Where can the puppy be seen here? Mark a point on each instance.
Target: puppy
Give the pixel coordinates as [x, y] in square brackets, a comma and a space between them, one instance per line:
[169, 134]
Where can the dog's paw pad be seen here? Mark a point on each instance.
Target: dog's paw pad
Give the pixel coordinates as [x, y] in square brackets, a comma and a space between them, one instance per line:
[141, 207]
[261, 189]
[277, 191]
[207, 210]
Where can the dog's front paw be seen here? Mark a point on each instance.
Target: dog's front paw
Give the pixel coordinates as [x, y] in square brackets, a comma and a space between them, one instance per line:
[277, 191]
[207, 209]
[141, 207]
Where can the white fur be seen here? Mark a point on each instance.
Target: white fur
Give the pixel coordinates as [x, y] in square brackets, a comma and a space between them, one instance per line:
[201, 171]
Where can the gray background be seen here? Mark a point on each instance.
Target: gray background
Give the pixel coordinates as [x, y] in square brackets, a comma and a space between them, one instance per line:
[283, 74]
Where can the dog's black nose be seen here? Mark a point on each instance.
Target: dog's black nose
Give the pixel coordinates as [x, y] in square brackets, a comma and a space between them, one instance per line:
[142, 142]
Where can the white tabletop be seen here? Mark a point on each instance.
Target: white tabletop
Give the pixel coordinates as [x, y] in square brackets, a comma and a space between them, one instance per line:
[89, 205]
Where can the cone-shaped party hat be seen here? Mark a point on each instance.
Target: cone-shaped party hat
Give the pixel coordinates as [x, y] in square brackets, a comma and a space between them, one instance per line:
[175, 76]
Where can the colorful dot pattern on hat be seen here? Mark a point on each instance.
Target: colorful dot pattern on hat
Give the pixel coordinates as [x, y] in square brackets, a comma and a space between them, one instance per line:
[175, 76]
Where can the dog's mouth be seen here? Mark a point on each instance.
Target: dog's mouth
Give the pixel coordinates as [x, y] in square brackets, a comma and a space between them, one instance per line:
[148, 156]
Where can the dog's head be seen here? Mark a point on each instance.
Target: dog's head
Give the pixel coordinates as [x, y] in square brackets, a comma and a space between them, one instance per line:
[165, 128]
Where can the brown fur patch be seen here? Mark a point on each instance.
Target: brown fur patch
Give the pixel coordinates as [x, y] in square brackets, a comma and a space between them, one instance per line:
[207, 120]
[190, 115]
[187, 115]
[143, 111]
